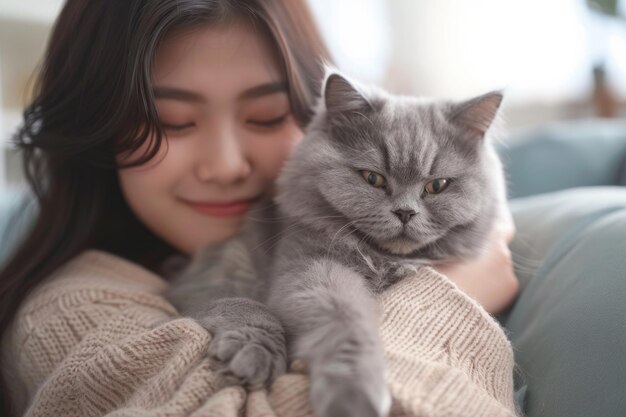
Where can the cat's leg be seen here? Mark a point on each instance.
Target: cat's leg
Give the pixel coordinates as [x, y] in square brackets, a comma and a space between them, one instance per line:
[331, 317]
[218, 289]
[248, 340]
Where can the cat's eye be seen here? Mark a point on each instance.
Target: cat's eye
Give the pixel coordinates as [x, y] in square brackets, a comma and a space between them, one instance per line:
[374, 179]
[437, 186]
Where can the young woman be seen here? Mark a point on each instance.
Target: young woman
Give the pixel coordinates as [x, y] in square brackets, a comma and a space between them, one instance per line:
[154, 127]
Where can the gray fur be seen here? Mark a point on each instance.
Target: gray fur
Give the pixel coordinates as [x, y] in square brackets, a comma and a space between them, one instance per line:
[338, 241]
[222, 288]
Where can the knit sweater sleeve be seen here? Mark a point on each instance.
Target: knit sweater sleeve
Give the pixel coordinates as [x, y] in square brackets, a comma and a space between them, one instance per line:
[99, 339]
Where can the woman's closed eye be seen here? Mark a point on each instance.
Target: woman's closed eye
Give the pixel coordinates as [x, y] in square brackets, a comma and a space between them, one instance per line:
[177, 127]
[268, 122]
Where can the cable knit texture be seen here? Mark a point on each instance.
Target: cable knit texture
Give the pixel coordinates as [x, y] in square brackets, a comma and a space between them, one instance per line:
[98, 339]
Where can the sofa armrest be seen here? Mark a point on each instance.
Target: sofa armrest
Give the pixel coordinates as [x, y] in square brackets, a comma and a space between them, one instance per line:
[565, 155]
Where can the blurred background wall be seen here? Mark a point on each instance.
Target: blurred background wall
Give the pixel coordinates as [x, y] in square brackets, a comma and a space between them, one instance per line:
[555, 59]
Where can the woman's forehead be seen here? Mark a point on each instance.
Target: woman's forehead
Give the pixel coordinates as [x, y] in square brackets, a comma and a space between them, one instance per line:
[227, 59]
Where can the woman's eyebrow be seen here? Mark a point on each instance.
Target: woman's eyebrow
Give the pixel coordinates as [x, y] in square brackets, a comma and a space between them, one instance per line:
[174, 93]
[264, 89]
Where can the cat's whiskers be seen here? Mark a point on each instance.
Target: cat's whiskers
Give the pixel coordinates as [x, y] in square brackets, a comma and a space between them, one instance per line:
[280, 219]
[365, 117]
[365, 238]
[366, 258]
[332, 241]
[275, 239]
[525, 269]
[434, 244]
[524, 264]
[289, 231]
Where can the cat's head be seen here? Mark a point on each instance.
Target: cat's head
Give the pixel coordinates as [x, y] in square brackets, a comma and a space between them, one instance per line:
[406, 175]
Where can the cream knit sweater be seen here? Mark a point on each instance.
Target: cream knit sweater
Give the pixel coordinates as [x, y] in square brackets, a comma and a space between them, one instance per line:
[98, 339]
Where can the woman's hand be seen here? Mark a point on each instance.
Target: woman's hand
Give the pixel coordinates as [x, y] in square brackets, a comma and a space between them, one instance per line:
[490, 279]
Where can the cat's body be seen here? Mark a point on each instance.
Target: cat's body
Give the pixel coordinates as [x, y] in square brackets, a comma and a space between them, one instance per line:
[379, 186]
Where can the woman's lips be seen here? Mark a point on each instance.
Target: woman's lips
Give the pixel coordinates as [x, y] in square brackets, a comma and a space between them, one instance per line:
[230, 209]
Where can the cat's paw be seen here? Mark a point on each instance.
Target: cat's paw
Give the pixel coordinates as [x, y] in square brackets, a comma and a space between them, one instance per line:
[340, 394]
[252, 355]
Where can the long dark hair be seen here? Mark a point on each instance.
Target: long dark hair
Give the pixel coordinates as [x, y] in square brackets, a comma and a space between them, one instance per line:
[94, 100]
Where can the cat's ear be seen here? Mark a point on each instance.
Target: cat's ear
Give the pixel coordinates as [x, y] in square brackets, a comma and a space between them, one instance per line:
[343, 97]
[476, 115]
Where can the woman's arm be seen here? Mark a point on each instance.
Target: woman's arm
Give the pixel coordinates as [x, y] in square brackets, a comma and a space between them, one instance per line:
[490, 279]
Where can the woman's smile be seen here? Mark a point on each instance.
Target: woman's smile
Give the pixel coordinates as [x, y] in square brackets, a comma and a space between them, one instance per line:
[221, 209]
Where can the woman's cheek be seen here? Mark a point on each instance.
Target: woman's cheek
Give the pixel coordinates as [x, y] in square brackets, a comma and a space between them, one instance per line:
[157, 176]
[272, 158]
[293, 138]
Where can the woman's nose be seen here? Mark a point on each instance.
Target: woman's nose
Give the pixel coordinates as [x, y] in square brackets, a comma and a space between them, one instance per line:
[224, 159]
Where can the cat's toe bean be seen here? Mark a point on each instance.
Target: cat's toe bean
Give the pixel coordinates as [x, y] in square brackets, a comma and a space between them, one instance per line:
[253, 355]
[252, 364]
[350, 402]
[349, 396]
[226, 345]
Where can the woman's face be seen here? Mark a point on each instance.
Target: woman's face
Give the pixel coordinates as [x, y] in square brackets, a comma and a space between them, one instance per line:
[221, 97]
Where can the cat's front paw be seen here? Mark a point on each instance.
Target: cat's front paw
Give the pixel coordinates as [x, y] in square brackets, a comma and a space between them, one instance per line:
[339, 394]
[253, 356]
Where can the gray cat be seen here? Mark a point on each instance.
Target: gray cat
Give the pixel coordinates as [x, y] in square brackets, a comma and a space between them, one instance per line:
[380, 186]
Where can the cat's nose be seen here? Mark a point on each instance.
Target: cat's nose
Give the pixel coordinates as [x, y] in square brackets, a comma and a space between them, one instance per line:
[404, 215]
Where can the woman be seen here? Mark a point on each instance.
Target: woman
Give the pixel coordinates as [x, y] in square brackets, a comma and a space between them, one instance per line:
[154, 125]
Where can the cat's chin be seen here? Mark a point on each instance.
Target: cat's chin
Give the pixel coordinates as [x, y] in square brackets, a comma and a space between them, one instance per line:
[399, 246]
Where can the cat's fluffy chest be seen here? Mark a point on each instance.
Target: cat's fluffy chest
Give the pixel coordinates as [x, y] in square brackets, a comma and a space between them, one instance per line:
[382, 271]
[379, 270]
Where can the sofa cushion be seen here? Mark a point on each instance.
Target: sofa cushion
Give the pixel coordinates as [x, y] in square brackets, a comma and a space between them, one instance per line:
[567, 325]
